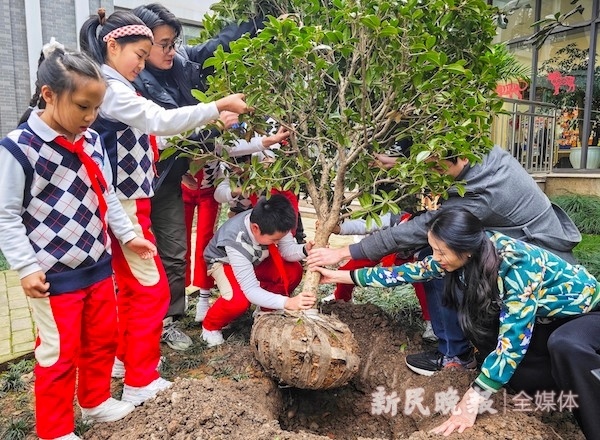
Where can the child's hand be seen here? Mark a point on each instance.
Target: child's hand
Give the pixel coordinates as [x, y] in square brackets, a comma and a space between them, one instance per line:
[228, 119]
[35, 285]
[234, 103]
[144, 248]
[308, 246]
[282, 133]
[302, 301]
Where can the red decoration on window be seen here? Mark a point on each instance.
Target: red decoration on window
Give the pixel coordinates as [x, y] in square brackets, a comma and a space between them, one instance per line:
[511, 90]
[558, 80]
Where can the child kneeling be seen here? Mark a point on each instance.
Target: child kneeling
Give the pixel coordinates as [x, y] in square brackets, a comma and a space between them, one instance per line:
[254, 259]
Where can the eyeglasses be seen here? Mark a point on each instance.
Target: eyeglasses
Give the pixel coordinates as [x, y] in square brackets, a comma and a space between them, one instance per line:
[168, 47]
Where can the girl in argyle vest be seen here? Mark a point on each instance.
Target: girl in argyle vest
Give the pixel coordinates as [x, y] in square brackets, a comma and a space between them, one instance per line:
[122, 43]
[54, 214]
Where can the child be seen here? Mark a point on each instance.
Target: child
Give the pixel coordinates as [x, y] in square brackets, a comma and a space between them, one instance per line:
[54, 214]
[200, 193]
[254, 258]
[123, 43]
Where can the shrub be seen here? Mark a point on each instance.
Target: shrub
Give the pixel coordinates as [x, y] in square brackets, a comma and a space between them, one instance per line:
[583, 210]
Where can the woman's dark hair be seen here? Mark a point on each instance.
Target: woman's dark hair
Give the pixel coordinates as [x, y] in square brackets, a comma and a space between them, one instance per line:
[472, 291]
[275, 214]
[91, 40]
[58, 71]
[155, 14]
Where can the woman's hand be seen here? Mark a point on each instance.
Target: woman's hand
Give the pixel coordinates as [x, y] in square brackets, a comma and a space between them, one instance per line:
[35, 285]
[463, 415]
[329, 276]
[144, 248]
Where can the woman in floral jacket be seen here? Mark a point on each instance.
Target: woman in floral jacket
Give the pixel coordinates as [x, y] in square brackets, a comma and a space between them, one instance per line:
[536, 315]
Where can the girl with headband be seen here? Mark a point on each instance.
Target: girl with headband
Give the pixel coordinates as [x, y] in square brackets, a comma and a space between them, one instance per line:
[128, 124]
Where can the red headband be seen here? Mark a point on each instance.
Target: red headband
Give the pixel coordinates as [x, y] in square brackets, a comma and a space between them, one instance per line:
[126, 31]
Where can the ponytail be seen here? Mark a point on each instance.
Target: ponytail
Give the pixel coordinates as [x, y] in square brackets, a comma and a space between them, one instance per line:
[36, 100]
[93, 40]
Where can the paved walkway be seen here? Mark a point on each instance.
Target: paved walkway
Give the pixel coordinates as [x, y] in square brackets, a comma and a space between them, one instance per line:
[17, 333]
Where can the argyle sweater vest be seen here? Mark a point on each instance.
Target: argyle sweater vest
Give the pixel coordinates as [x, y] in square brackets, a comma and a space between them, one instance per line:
[60, 210]
[131, 159]
[233, 233]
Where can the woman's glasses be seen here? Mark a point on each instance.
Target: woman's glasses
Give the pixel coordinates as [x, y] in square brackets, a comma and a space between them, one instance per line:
[168, 47]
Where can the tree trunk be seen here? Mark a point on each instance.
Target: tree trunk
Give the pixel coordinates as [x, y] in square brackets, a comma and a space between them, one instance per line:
[311, 279]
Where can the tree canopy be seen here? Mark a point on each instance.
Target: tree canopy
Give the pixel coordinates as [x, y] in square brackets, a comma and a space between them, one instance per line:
[353, 78]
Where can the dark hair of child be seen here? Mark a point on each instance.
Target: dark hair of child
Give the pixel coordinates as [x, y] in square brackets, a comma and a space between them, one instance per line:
[275, 214]
[60, 71]
[92, 41]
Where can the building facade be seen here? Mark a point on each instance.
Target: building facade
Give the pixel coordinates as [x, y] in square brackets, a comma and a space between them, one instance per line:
[26, 25]
[553, 121]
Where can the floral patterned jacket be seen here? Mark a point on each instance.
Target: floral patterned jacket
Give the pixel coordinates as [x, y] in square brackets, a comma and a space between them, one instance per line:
[533, 283]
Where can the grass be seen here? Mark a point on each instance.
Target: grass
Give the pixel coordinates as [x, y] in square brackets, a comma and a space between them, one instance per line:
[588, 253]
[3, 262]
[12, 379]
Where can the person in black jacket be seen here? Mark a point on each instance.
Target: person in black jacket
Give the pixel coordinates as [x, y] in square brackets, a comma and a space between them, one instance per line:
[172, 71]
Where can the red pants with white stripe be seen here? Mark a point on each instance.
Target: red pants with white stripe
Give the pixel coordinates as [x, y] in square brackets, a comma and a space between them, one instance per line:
[208, 210]
[224, 311]
[142, 301]
[77, 333]
[344, 291]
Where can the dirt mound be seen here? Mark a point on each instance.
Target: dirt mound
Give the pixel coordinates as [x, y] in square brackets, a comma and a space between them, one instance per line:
[226, 395]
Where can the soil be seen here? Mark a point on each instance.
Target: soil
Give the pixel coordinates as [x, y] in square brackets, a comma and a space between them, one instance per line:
[223, 393]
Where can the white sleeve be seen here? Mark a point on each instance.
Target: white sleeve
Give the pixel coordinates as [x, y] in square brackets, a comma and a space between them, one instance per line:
[223, 191]
[242, 147]
[14, 242]
[289, 249]
[243, 270]
[124, 105]
[359, 226]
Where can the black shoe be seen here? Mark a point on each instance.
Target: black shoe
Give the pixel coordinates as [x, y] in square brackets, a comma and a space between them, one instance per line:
[428, 362]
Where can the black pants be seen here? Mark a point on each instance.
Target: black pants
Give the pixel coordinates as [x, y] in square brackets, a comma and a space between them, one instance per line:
[168, 225]
[560, 357]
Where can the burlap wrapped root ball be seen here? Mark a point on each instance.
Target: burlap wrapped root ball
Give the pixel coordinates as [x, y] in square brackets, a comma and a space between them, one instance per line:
[306, 350]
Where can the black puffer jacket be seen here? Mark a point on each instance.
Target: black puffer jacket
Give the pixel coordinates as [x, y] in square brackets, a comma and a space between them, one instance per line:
[187, 73]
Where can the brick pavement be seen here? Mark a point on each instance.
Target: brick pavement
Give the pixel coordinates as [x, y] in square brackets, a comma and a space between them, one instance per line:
[17, 333]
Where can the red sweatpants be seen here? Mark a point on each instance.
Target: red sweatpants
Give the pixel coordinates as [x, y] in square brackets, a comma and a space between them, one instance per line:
[344, 291]
[143, 299]
[77, 334]
[225, 311]
[208, 210]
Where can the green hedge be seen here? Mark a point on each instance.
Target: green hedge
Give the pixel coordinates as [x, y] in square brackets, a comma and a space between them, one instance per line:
[585, 212]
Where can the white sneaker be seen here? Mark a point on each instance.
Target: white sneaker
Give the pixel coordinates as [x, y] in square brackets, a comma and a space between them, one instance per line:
[212, 337]
[70, 436]
[202, 305]
[428, 335]
[175, 338]
[328, 298]
[139, 395]
[118, 369]
[110, 410]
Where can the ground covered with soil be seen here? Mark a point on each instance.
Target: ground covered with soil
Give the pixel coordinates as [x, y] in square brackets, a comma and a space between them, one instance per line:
[223, 393]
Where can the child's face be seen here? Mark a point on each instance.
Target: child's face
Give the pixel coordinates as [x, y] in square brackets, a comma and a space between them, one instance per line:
[128, 59]
[266, 239]
[72, 113]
